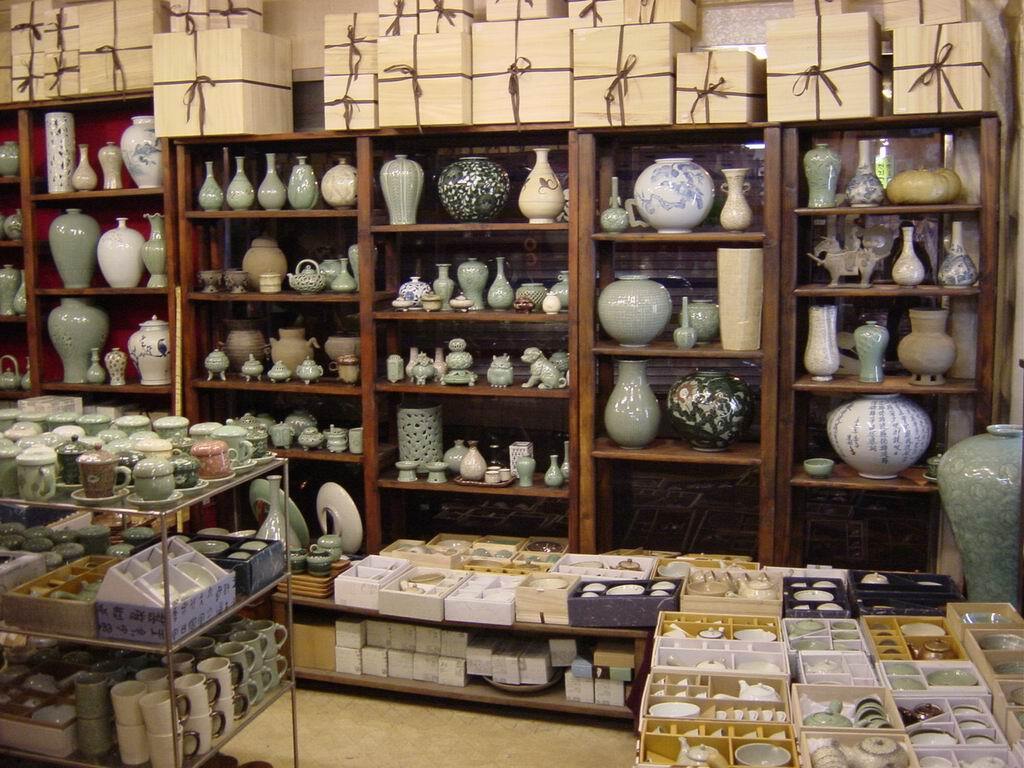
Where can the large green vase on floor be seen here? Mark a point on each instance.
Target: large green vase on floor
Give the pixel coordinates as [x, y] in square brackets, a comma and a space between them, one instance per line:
[73, 237]
[979, 482]
[75, 327]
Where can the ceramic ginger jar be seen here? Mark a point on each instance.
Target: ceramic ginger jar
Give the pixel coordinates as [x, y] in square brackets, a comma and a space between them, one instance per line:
[473, 189]
[150, 350]
[73, 237]
[119, 253]
[673, 195]
[140, 149]
[879, 435]
[338, 186]
[264, 257]
[709, 409]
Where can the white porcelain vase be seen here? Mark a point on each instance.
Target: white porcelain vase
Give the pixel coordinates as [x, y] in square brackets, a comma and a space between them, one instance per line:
[879, 435]
[740, 296]
[110, 162]
[140, 149]
[150, 350]
[908, 269]
[542, 198]
[821, 354]
[736, 214]
[119, 252]
[673, 195]
[60, 151]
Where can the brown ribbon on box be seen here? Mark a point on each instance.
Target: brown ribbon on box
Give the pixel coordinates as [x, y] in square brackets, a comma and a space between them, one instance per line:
[231, 10]
[60, 69]
[519, 8]
[448, 14]
[817, 6]
[819, 75]
[355, 57]
[590, 9]
[189, 15]
[115, 58]
[33, 28]
[395, 27]
[350, 105]
[936, 71]
[709, 89]
[410, 72]
[640, 13]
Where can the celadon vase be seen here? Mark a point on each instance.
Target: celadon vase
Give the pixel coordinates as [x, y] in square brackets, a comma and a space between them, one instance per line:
[401, 183]
[541, 198]
[272, 194]
[21, 297]
[821, 167]
[73, 238]
[500, 295]
[472, 277]
[84, 179]
[10, 282]
[444, 286]
[154, 252]
[980, 484]
[632, 415]
[870, 341]
[95, 373]
[554, 478]
[684, 336]
[419, 435]
[240, 195]
[821, 353]
[633, 310]
[211, 196]
[303, 190]
[344, 282]
[119, 253]
[75, 327]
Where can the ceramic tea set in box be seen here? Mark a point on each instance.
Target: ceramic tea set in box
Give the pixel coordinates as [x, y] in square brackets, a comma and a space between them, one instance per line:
[665, 741]
[854, 751]
[754, 658]
[825, 708]
[815, 597]
[846, 668]
[949, 722]
[823, 635]
[714, 696]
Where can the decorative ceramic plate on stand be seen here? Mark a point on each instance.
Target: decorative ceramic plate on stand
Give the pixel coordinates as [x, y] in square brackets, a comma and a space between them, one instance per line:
[334, 502]
[259, 502]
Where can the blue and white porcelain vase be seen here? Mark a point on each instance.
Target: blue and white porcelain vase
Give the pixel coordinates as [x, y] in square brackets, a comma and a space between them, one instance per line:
[150, 350]
[673, 195]
[140, 149]
[957, 267]
[413, 289]
[864, 189]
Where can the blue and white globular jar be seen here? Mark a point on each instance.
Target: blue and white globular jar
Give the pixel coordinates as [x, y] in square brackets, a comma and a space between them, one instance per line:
[413, 290]
[150, 350]
[141, 151]
[673, 195]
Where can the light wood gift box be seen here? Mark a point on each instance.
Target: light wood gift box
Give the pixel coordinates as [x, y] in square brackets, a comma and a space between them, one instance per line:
[68, 82]
[850, 55]
[361, 90]
[197, 10]
[740, 96]
[458, 16]
[337, 45]
[545, 87]
[444, 67]
[68, 18]
[536, 602]
[127, 26]
[397, 17]
[597, 58]
[28, 73]
[609, 13]
[819, 7]
[239, 14]
[956, 614]
[682, 13]
[260, 104]
[749, 606]
[509, 10]
[31, 17]
[912, 13]
[965, 73]
[339, 82]
[5, 56]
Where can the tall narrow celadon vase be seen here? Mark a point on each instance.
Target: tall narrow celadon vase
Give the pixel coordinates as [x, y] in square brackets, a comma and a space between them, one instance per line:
[76, 327]
[501, 294]
[632, 415]
[401, 183]
[73, 237]
[303, 188]
[154, 252]
[979, 483]
[272, 194]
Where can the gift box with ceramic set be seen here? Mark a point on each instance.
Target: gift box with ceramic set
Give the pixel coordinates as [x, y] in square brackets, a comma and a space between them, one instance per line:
[721, 656]
[662, 742]
[256, 563]
[621, 604]
[713, 696]
[61, 601]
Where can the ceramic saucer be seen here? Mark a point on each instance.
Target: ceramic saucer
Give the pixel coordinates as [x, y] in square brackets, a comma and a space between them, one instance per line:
[754, 635]
[244, 467]
[195, 488]
[675, 709]
[921, 629]
[952, 677]
[105, 501]
[137, 501]
[626, 589]
[264, 459]
[218, 480]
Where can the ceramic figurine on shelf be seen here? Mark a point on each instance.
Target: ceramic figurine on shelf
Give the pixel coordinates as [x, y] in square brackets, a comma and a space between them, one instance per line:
[423, 370]
[522, 305]
[840, 261]
[560, 360]
[459, 362]
[216, 363]
[543, 373]
[279, 372]
[614, 218]
[309, 371]
[240, 195]
[252, 369]
[684, 336]
[500, 373]
[864, 189]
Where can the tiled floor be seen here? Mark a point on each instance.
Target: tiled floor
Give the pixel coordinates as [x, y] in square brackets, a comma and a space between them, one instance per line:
[370, 730]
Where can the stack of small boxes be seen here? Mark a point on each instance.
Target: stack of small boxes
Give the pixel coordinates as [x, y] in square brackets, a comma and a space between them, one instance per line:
[424, 62]
[28, 59]
[398, 650]
[602, 678]
[350, 71]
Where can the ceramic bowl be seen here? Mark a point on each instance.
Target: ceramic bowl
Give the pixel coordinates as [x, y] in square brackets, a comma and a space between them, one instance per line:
[767, 755]
[594, 588]
[931, 738]
[209, 547]
[675, 709]
[756, 635]
[820, 468]
[813, 595]
[921, 629]
[952, 677]
[1010, 668]
[906, 684]
[626, 589]
[1002, 643]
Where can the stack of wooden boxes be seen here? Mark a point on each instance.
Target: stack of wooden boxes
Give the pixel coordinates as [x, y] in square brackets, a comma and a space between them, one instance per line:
[350, 71]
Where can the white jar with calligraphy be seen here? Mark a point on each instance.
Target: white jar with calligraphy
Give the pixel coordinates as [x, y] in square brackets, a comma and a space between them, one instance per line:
[880, 435]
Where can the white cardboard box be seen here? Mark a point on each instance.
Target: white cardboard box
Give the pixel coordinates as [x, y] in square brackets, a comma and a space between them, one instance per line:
[375, 661]
[350, 633]
[348, 661]
[425, 667]
[480, 655]
[611, 692]
[358, 586]
[428, 640]
[401, 637]
[426, 604]
[451, 671]
[505, 662]
[563, 650]
[535, 663]
[454, 643]
[474, 600]
[400, 664]
[377, 633]
[579, 688]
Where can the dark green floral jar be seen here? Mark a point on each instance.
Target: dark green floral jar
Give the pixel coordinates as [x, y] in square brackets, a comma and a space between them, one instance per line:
[710, 409]
[473, 189]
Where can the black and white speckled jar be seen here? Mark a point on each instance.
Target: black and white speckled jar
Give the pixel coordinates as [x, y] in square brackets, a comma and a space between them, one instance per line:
[473, 189]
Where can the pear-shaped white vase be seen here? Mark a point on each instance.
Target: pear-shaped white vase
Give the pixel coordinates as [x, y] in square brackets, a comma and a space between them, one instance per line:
[119, 253]
[542, 198]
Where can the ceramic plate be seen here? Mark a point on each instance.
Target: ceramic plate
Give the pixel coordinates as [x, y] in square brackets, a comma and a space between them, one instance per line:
[334, 502]
[900, 668]
[141, 503]
[259, 502]
[754, 635]
[195, 488]
[594, 588]
[921, 629]
[107, 501]
[666, 585]
[675, 709]
[626, 589]
[813, 595]
[952, 677]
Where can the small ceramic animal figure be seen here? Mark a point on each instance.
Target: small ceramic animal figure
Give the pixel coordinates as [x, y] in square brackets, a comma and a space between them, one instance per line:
[543, 374]
[500, 373]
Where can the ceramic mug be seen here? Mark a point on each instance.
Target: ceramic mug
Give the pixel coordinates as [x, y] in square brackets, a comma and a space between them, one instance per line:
[181, 662]
[243, 656]
[161, 747]
[274, 633]
[132, 744]
[154, 678]
[277, 667]
[261, 644]
[201, 691]
[202, 648]
[125, 697]
[221, 670]
[92, 695]
[239, 449]
[214, 461]
[319, 563]
[95, 736]
[207, 728]
[101, 475]
[156, 712]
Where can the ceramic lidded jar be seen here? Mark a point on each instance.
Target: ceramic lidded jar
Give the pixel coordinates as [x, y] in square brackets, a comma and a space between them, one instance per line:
[76, 327]
[674, 194]
[150, 350]
[119, 252]
[10, 158]
[711, 410]
[73, 237]
[338, 186]
[473, 189]
[401, 183]
[633, 310]
[264, 257]
[140, 150]
[213, 457]
[879, 435]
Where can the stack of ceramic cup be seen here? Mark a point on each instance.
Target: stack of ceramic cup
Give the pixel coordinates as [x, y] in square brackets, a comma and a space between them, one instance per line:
[202, 721]
[93, 712]
[164, 717]
[131, 729]
[230, 704]
[253, 648]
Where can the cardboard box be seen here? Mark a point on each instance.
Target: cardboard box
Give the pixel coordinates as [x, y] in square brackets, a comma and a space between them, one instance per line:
[451, 671]
[563, 650]
[375, 661]
[309, 642]
[5, 55]
[912, 13]
[236, 14]
[479, 655]
[437, 16]
[596, 13]
[454, 644]
[348, 661]
[18, 567]
[223, 81]
[579, 688]
[425, 80]
[483, 599]
[116, 44]
[358, 587]
[397, 17]
[606, 568]
[349, 633]
[941, 68]
[401, 637]
[428, 640]
[377, 633]
[350, 102]
[601, 609]
[822, 68]
[720, 87]
[818, 7]
[610, 692]
[682, 13]
[189, 16]
[606, 59]
[426, 602]
[809, 699]
[400, 664]
[544, 598]
[509, 10]
[424, 667]
[522, 72]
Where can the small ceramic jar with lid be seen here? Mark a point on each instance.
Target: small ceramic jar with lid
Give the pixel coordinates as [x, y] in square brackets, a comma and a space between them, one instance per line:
[186, 471]
[214, 461]
[93, 423]
[132, 423]
[170, 427]
[67, 460]
[37, 473]
[60, 419]
[203, 429]
[154, 447]
[154, 479]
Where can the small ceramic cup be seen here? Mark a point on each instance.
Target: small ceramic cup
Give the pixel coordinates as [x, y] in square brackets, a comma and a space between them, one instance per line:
[319, 563]
[270, 282]
[820, 468]
[355, 440]
[236, 280]
[214, 460]
[210, 280]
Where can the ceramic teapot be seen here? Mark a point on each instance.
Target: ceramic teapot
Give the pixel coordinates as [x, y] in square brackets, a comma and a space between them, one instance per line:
[757, 692]
[309, 371]
[829, 718]
[307, 277]
[9, 379]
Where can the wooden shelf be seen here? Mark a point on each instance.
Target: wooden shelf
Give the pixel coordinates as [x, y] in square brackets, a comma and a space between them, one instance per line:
[297, 454]
[471, 226]
[6, 181]
[96, 194]
[236, 383]
[678, 452]
[13, 319]
[892, 385]
[886, 291]
[103, 291]
[668, 349]
[890, 210]
[12, 244]
[752, 238]
[131, 388]
[482, 316]
[282, 297]
[13, 394]
[316, 213]
[845, 478]
[551, 700]
[480, 389]
[537, 490]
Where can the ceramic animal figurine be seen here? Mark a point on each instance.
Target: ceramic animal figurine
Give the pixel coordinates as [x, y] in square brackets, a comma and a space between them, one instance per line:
[423, 370]
[500, 373]
[252, 368]
[543, 373]
[853, 262]
[216, 363]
